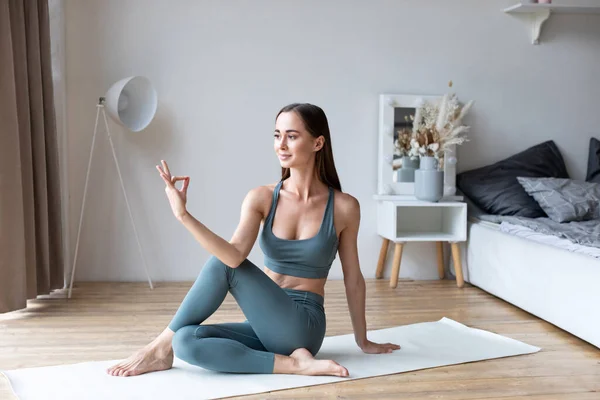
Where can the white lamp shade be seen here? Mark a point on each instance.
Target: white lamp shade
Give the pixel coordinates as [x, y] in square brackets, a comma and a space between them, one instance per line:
[132, 102]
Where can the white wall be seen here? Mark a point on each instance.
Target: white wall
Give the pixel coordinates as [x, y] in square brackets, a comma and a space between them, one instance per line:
[224, 68]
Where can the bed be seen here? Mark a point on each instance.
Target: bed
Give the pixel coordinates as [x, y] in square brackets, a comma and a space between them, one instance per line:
[549, 277]
[533, 236]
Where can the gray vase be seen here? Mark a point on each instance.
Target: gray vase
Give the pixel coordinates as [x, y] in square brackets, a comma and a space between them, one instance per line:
[429, 181]
[406, 173]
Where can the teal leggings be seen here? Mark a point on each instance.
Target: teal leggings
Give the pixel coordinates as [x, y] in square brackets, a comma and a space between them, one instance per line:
[278, 321]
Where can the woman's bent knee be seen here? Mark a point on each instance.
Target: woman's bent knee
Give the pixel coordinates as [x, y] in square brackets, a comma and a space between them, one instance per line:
[214, 262]
[215, 267]
[182, 340]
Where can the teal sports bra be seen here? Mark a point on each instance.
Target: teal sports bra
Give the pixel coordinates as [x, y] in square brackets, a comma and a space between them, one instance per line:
[304, 258]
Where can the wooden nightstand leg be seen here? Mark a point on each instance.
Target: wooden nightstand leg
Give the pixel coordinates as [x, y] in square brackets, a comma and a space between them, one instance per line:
[457, 265]
[440, 259]
[382, 256]
[396, 265]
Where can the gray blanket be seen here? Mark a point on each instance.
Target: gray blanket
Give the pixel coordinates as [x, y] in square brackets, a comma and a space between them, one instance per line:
[586, 233]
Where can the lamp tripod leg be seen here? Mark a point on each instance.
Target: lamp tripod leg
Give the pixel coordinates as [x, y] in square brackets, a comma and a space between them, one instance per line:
[87, 177]
[126, 199]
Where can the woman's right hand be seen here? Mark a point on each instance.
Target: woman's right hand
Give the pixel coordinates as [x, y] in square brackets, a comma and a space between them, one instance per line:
[177, 197]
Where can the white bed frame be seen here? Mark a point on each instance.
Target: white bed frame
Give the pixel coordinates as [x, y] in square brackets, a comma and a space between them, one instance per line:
[551, 283]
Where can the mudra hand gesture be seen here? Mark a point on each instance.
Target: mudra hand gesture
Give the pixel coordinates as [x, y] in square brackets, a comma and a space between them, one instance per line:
[177, 197]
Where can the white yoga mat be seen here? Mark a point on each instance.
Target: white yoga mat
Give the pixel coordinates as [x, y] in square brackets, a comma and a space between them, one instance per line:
[424, 345]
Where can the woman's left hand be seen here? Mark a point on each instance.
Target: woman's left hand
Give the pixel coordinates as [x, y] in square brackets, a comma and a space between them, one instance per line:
[377, 348]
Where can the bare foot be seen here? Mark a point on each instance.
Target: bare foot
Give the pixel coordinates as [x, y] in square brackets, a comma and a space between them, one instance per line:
[150, 358]
[307, 365]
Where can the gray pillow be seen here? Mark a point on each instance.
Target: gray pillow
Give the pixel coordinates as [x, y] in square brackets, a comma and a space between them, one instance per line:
[593, 168]
[564, 200]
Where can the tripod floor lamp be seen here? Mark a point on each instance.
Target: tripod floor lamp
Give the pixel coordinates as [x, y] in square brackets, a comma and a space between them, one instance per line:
[131, 102]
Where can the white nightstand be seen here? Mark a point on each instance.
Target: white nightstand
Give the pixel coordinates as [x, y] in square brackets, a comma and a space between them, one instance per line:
[402, 219]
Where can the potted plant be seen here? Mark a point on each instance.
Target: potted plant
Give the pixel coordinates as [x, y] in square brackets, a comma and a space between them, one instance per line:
[436, 128]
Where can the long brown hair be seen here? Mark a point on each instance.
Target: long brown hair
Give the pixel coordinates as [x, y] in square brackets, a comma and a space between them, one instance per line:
[315, 122]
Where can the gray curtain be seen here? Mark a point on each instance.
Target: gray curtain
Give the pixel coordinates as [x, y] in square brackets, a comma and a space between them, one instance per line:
[31, 258]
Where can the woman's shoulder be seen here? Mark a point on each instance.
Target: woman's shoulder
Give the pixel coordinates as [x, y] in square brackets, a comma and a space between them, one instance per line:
[346, 204]
[259, 199]
[262, 193]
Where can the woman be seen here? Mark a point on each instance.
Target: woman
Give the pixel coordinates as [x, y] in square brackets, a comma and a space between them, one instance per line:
[283, 305]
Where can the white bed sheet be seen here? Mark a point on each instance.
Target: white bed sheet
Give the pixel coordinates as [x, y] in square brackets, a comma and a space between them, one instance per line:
[530, 234]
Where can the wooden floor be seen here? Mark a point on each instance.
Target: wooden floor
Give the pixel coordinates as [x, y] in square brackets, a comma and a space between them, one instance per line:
[110, 320]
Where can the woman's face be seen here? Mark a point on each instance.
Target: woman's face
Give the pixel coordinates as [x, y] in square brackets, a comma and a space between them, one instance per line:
[293, 145]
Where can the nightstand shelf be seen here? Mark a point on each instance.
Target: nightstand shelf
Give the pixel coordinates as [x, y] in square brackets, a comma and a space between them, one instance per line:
[419, 221]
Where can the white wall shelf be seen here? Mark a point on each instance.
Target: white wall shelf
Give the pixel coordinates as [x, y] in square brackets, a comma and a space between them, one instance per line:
[536, 14]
